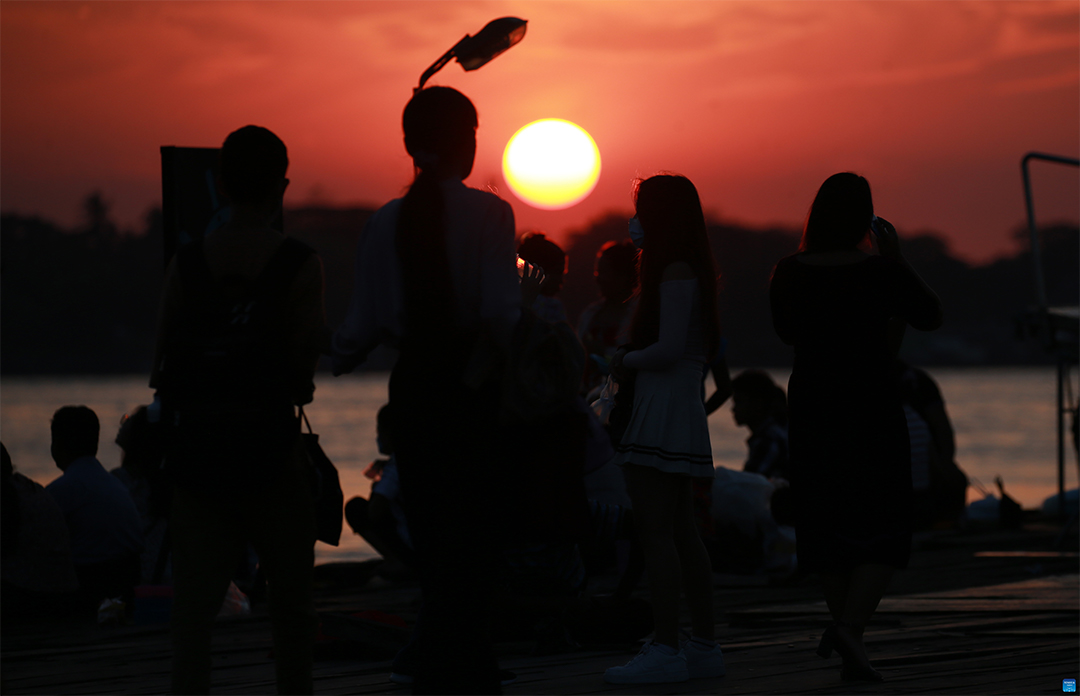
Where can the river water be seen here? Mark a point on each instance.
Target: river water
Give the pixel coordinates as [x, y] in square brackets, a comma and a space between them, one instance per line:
[1003, 418]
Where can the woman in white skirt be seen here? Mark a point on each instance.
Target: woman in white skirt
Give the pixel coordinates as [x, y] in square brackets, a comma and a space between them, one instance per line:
[666, 443]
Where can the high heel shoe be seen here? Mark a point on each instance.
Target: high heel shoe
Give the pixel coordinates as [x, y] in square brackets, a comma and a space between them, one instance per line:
[828, 642]
[855, 668]
[857, 672]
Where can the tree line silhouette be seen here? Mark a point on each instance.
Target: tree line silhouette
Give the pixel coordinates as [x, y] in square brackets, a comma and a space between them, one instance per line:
[84, 300]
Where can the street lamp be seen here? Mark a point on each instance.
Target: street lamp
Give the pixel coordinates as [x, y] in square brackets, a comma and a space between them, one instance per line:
[475, 51]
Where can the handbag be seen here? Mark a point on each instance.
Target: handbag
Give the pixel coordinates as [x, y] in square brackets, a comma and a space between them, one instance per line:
[326, 495]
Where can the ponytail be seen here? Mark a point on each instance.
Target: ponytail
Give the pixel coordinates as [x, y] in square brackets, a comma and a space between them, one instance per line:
[421, 249]
[440, 132]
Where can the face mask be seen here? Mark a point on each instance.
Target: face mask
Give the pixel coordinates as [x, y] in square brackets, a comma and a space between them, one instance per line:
[637, 232]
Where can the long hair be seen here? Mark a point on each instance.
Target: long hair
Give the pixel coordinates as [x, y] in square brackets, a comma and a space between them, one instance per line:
[669, 210]
[840, 215]
[440, 130]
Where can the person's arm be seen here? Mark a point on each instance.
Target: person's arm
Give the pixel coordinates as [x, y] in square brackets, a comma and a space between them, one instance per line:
[308, 322]
[359, 333]
[677, 291]
[779, 303]
[920, 304]
[722, 380]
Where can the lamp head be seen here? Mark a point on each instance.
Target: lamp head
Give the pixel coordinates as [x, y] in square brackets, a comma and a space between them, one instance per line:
[475, 51]
[497, 36]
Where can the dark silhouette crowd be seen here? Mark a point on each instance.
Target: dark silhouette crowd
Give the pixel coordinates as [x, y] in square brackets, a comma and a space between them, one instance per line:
[523, 456]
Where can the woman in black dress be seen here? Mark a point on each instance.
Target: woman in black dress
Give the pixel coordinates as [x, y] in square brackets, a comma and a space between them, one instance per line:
[844, 311]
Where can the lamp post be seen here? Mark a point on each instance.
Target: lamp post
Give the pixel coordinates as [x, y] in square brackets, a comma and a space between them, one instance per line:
[474, 51]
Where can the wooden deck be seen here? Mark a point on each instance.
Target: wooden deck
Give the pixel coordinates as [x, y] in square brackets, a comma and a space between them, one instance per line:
[970, 616]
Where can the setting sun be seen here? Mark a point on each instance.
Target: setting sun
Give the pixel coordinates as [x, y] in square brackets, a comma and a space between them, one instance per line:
[551, 164]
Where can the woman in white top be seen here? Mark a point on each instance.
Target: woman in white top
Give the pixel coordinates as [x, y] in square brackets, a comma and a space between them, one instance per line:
[434, 271]
[667, 441]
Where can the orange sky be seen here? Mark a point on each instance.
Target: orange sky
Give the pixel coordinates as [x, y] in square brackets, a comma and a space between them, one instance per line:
[757, 102]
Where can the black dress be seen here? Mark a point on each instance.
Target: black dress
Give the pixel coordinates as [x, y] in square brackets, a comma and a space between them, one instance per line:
[848, 443]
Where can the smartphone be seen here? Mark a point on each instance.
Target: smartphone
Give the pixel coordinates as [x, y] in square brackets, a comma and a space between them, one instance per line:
[877, 227]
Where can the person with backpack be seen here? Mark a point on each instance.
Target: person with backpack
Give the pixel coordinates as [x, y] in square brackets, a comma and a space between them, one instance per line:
[239, 337]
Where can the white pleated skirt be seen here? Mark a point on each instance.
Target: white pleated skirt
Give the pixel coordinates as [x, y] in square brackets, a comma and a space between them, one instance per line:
[668, 429]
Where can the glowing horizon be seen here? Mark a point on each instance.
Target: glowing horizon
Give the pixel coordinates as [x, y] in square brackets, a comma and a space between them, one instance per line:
[756, 102]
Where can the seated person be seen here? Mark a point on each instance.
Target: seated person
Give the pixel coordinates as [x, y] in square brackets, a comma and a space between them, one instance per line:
[749, 516]
[37, 574]
[142, 474]
[102, 520]
[939, 485]
[540, 251]
[381, 519]
[760, 404]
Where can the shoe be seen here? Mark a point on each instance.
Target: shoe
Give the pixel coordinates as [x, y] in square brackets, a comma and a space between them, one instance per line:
[703, 661]
[828, 642]
[655, 664]
[855, 668]
[506, 677]
[856, 672]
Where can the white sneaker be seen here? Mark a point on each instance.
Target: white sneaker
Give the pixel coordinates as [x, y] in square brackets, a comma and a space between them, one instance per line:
[703, 661]
[655, 664]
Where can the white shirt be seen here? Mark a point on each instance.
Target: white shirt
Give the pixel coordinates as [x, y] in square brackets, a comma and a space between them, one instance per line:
[681, 333]
[480, 250]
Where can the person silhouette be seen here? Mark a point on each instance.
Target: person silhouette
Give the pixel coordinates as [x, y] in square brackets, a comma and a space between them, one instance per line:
[604, 325]
[436, 277]
[102, 520]
[238, 340]
[538, 250]
[844, 311]
[666, 443]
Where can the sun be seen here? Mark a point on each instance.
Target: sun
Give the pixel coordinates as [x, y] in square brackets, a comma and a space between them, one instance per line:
[551, 163]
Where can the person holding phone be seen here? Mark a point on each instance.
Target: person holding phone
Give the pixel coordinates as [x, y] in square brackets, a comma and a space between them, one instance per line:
[844, 311]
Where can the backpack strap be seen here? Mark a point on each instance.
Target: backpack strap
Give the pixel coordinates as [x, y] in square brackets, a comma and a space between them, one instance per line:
[272, 284]
[276, 278]
[195, 277]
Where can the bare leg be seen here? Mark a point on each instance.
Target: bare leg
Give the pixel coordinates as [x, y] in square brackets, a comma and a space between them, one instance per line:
[654, 496]
[696, 564]
[867, 584]
[835, 588]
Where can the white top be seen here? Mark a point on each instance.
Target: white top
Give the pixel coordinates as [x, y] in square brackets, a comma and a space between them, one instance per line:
[482, 256]
[681, 333]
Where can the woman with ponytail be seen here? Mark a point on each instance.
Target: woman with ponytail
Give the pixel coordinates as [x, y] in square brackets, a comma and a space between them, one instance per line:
[434, 271]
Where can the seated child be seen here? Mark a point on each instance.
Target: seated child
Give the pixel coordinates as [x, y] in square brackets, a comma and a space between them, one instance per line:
[381, 520]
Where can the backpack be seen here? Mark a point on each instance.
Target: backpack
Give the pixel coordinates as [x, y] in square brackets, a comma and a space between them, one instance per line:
[228, 375]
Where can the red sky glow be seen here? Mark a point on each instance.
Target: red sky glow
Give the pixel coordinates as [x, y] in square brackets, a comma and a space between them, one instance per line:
[757, 102]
